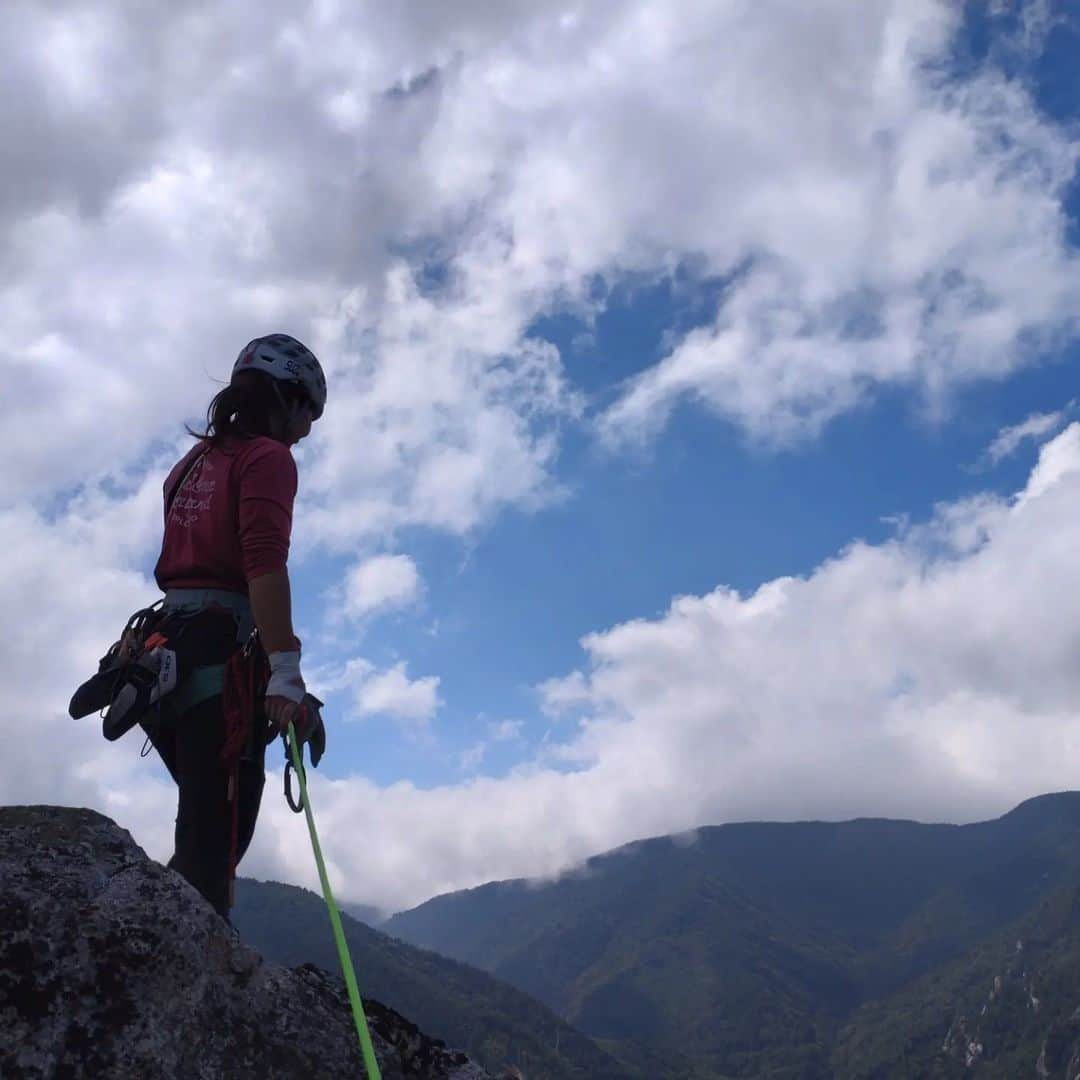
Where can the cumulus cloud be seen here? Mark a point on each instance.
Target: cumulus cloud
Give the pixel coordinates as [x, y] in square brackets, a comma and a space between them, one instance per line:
[911, 232]
[388, 693]
[430, 426]
[938, 661]
[1057, 460]
[227, 196]
[379, 583]
[393, 693]
[409, 191]
[504, 730]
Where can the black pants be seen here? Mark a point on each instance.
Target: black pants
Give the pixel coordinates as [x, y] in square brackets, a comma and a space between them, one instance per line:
[190, 748]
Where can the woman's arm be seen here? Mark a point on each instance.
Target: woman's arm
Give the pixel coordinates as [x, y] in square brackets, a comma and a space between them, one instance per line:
[271, 605]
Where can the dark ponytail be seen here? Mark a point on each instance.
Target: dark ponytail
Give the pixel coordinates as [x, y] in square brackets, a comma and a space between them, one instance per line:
[247, 407]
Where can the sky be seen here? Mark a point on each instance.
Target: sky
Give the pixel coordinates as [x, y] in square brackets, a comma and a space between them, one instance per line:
[702, 441]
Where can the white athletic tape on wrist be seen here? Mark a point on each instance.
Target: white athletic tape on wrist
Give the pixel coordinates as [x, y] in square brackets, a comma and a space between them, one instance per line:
[285, 678]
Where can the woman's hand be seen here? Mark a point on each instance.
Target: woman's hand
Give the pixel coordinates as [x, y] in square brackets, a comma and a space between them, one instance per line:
[282, 711]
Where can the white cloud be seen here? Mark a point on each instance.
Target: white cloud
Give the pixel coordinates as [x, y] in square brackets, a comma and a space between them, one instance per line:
[434, 426]
[879, 225]
[1057, 461]
[379, 583]
[563, 694]
[930, 676]
[388, 693]
[1036, 19]
[141, 258]
[910, 233]
[1035, 427]
[392, 693]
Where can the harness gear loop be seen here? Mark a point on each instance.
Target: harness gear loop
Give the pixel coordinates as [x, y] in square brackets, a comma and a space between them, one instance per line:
[359, 1019]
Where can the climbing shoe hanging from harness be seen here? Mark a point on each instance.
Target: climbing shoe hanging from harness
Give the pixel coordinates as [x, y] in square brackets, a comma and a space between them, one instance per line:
[139, 670]
[99, 690]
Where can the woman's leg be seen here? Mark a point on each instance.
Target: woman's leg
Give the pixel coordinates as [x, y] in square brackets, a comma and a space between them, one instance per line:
[252, 780]
[203, 818]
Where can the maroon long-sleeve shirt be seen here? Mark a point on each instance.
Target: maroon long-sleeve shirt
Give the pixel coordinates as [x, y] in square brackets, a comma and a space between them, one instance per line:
[231, 518]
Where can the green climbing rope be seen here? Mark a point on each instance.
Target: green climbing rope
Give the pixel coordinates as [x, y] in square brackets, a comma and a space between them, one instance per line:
[359, 1018]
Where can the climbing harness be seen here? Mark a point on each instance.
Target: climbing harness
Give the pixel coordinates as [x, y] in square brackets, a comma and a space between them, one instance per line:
[359, 1018]
[155, 660]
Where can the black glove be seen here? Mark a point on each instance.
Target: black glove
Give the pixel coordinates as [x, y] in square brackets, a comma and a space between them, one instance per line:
[314, 733]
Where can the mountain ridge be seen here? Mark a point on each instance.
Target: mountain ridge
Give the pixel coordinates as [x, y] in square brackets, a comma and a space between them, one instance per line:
[806, 921]
[680, 839]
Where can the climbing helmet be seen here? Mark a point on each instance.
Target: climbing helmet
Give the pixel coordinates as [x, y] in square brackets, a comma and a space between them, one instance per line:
[283, 357]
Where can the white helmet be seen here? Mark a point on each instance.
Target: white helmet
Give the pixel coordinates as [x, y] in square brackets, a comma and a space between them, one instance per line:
[287, 359]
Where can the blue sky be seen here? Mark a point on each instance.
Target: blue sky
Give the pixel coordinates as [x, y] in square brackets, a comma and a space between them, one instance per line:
[667, 348]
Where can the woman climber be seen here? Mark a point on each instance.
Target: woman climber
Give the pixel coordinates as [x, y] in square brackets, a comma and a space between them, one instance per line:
[228, 519]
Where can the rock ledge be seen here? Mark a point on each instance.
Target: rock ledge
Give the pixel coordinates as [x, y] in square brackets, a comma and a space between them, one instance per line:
[111, 965]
